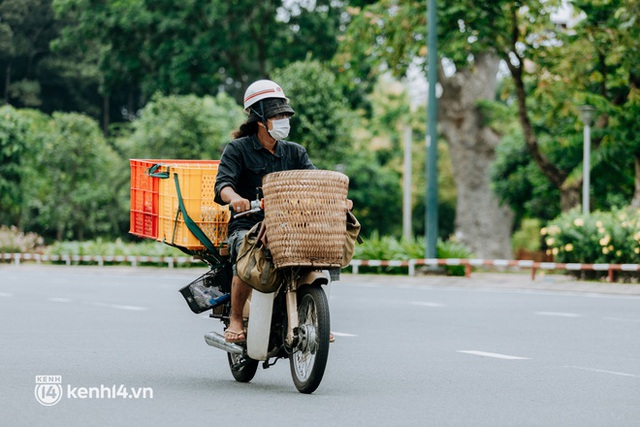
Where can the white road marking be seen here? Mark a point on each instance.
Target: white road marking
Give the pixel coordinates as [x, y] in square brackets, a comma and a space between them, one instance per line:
[119, 307]
[494, 355]
[129, 307]
[427, 304]
[60, 299]
[5, 294]
[343, 334]
[604, 371]
[557, 314]
[621, 319]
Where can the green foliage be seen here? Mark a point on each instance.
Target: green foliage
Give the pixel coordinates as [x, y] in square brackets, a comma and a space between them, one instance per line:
[518, 181]
[12, 240]
[321, 119]
[75, 180]
[527, 237]
[376, 195]
[196, 46]
[601, 237]
[118, 247]
[376, 247]
[13, 145]
[183, 127]
[453, 249]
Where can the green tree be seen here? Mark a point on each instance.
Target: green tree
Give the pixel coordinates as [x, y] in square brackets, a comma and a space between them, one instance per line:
[390, 36]
[13, 146]
[321, 122]
[593, 61]
[73, 194]
[376, 195]
[183, 127]
[196, 46]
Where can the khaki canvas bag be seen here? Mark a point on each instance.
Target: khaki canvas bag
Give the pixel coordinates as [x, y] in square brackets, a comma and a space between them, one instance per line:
[254, 264]
[352, 235]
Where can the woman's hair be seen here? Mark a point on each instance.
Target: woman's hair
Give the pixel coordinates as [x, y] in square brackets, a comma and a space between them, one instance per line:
[246, 129]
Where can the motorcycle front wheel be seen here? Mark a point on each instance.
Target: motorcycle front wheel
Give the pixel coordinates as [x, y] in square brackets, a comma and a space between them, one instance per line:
[309, 359]
[242, 367]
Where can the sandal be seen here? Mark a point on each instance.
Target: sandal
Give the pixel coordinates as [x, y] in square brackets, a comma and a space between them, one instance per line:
[234, 336]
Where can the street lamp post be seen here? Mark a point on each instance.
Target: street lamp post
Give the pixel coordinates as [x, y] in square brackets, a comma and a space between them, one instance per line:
[431, 212]
[587, 113]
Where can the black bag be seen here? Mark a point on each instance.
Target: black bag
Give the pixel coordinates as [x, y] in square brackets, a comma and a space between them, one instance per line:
[208, 290]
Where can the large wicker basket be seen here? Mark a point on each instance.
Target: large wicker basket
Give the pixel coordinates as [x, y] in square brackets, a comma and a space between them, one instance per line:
[305, 217]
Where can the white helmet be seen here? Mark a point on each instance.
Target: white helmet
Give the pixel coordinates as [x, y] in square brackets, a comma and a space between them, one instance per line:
[260, 90]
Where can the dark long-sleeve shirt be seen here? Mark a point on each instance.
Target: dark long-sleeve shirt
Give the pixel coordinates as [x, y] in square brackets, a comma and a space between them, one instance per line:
[245, 162]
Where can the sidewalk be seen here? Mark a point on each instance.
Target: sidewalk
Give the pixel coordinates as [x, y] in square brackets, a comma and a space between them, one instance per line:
[546, 282]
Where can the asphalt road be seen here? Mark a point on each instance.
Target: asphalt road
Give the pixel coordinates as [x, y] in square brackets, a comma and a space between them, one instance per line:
[421, 351]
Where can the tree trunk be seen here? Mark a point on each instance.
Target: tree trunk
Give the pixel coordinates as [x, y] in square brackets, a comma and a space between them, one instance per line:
[481, 222]
[568, 196]
[7, 83]
[106, 116]
[571, 195]
[635, 203]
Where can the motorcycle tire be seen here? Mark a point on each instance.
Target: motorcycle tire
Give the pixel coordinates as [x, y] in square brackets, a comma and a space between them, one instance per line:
[242, 367]
[309, 359]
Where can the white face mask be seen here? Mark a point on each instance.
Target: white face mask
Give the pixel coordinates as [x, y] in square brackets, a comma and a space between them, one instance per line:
[280, 129]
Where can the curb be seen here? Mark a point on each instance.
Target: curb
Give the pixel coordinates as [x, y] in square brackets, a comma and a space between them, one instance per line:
[355, 264]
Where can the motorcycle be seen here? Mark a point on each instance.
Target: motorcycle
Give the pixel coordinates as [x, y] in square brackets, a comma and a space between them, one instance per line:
[291, 323]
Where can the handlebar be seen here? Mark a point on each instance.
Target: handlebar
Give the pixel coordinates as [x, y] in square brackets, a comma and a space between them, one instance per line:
[256, 206]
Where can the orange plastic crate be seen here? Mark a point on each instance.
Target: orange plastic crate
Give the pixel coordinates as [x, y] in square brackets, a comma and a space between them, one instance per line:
[143, 215]
[197, 180]
[144, 200]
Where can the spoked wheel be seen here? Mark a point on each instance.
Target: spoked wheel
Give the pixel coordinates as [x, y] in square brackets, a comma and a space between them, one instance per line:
[309, 358]
[242, 367]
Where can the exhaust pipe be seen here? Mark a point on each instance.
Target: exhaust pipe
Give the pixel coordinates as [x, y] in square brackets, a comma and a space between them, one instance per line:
[216, 340]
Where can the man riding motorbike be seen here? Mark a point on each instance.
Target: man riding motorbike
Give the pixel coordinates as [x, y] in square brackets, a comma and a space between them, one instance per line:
[259, 148]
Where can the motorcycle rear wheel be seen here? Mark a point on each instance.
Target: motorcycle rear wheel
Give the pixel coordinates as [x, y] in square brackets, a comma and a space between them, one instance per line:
[309, 359]
[246, 371]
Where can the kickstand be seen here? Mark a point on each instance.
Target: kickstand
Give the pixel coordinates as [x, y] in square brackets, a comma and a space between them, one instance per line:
[267, 365]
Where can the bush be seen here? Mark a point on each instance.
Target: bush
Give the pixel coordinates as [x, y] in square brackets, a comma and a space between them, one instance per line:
[117, 248]
[376, 247]
[13, 240]
[453, 249]
[528, 236]
[601, 237]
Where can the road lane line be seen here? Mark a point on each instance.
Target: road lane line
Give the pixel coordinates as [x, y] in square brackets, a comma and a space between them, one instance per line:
[60, 300]
[129, 307]
[494, 355]
[604, 371]
[343, 334]
[119, 307]
[557, 314]
[427, 304]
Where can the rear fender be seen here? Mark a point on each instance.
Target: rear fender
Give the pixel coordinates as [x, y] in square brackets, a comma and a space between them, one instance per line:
[314, 278]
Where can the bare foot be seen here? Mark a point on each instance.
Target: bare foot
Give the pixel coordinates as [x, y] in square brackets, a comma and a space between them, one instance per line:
[234, 336]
